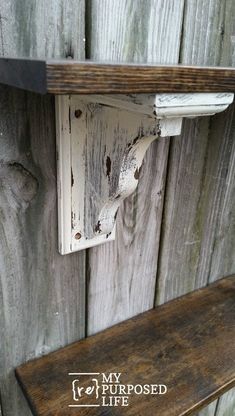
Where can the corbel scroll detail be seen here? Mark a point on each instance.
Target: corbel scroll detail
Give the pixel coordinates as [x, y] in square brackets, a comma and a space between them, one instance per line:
[127, 183]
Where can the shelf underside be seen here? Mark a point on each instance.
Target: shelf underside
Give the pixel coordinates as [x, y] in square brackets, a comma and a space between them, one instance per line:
[73, 77]
[186, 344]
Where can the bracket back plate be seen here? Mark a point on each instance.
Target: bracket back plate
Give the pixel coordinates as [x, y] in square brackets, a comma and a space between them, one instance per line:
[99, 154]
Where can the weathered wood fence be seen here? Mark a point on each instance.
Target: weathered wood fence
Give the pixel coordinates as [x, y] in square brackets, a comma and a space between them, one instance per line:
[175, 233]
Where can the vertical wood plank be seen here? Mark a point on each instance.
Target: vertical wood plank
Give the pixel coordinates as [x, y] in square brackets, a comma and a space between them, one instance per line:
[1, 413]
[222, 189]
[208, 410]
[226, 405]
[123, 273]
[185, 239]
[198, 223]
[42, 29]
[42, 294]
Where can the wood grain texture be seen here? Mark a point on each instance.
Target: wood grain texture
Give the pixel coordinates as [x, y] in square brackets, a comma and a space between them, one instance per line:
[43, 29]
[183, 344]
[186, 212]
[223, 195]
[226, 404]
[198, 225]
[140, 31]
[199, 231]
[208, 410]
[73, 77]
[1, 414]
[42, 295]
[137, 31]
[92, 78]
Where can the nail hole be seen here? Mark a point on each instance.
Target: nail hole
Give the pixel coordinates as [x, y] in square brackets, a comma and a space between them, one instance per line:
[78, 236]
[78, 113]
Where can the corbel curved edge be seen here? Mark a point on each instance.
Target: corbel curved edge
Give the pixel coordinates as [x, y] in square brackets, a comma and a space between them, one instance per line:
[163, 114]
[128, 182]
[130, 171]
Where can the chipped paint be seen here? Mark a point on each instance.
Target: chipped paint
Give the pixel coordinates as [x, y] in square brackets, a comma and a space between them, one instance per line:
[72, 178]
[137, 173]
[98, 227]
[108, 167]
[101, 154]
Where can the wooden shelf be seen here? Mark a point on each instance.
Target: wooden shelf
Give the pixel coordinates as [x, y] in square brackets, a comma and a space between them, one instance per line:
[72, 77]
[186, 344]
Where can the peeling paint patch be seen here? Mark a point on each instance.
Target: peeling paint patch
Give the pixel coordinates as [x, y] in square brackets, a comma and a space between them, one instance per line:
[108, 166]
[73, 217]
[159, 132]
[98, 227]
[137, 173]
[72, 178]
[136, 139]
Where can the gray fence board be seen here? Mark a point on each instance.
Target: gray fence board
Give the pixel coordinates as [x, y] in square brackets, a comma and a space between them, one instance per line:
[42, 294]
[123, 274]
[198, 224]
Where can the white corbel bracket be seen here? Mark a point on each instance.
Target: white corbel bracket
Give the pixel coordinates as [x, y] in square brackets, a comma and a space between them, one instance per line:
[101, 143]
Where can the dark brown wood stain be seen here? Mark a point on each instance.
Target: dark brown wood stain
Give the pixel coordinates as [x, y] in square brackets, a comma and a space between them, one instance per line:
[92, 78]
[73, 77]
[187, 344]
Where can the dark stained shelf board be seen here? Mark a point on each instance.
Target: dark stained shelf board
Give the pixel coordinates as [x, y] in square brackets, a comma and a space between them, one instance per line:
[186, 344]
[73, 77]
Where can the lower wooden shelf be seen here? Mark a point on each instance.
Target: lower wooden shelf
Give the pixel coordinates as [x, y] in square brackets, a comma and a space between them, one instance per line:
[187, 344]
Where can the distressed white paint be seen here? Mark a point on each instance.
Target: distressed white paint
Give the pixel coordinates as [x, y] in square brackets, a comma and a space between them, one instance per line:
[168, 105]
[98, 169]
[64, 148]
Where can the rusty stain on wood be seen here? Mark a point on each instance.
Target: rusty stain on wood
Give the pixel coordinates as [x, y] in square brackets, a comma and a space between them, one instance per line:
[78, 236]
